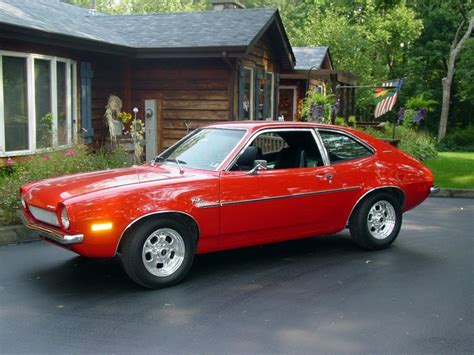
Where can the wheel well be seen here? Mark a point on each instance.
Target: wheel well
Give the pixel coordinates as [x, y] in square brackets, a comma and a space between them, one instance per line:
[394, 191]
[179, 216]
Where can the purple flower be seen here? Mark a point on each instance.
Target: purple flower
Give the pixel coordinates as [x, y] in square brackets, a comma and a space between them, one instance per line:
[419, 116]
[10, 161]
[401, 115]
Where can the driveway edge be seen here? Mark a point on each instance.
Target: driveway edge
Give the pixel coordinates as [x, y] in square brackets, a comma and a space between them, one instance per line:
[17, 234]
[461, 193]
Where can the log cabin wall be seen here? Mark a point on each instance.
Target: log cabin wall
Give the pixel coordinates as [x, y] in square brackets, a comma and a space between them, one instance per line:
[192, 91]
[262, 56]
[106, 81]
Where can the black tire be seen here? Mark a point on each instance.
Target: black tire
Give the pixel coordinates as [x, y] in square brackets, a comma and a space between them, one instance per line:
[133, 252]
[364, 232]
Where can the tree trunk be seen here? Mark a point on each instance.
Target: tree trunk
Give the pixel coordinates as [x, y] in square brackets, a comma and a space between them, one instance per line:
[446, 82]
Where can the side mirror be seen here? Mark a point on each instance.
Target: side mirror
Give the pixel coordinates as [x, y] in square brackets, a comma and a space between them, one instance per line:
[257, 166]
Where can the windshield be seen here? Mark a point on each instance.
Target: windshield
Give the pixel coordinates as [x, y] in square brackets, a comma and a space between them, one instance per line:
[204, 149]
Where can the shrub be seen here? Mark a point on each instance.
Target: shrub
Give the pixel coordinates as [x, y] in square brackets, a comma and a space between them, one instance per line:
[459, 139]
[51, 164]
[317, 107]
[340, 121]
[418, 144]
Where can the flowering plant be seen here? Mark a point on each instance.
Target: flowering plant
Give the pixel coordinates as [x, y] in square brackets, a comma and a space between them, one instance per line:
[125, 117]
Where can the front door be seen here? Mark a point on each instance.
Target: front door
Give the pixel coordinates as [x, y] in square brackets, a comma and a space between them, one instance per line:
[294, 197]
[287, 102]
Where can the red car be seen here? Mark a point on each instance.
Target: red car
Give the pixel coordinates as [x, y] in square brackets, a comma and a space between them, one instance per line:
[228, 186]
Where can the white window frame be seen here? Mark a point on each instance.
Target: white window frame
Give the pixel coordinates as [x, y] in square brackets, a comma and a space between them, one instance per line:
[252, 93]
[71, 101]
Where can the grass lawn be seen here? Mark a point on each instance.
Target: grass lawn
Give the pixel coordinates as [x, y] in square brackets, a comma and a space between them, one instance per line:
[453, 170]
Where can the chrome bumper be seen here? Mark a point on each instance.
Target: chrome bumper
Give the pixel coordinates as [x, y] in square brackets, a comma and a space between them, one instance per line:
[52, 234]
[434, 189]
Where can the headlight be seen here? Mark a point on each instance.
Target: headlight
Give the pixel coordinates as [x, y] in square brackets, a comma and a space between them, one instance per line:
[64, 218]
[23, 203]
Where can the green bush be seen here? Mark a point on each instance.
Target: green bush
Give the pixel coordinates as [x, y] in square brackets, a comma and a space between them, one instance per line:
[47, 165]
[459, 139]
[418, 144]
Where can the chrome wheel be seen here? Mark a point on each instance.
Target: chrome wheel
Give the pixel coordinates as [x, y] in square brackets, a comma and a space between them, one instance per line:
[163, 252]
[381, 219]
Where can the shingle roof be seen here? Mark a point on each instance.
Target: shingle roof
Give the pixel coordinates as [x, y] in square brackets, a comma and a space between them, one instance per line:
[307, 57]
[166, 30]
[189, 29]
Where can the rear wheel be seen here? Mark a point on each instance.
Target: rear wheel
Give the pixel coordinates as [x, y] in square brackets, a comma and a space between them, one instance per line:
[158, 253]
[376, 221]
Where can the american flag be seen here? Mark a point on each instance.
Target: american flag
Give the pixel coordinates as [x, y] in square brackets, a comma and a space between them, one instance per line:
[386, 96]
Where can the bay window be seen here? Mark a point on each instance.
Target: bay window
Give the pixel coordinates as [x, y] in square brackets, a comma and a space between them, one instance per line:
[37, 102]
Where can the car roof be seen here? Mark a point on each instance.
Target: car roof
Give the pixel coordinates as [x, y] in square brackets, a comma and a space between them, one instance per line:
[257, 125]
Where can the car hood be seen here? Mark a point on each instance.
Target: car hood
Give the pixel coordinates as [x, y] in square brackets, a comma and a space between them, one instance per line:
[49, 193]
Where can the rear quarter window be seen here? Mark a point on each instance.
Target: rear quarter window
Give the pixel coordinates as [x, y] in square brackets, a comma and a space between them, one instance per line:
[341, 147]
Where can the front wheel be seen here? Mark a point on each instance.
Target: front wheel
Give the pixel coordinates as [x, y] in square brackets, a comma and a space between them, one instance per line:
[376, 221]
[158, 253]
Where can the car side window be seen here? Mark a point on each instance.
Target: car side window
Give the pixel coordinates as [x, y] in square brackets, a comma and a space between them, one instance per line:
[341, 147]
[281, 150]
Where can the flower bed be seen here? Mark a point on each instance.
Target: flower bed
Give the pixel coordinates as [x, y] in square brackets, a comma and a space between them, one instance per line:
[42, 166]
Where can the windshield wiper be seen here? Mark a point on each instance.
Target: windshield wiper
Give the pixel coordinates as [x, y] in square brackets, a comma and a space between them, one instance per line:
[174, 160]
[178, 163]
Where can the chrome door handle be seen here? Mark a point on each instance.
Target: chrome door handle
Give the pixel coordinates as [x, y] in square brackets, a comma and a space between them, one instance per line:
[327, 176]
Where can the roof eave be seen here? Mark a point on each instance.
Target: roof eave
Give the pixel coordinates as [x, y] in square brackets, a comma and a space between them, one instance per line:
[35, 35]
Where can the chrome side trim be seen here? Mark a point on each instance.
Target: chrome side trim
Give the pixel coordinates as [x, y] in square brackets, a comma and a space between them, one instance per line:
[54, 235]
[151, 214]
[290, 196]
[434, 189]
[208, 205]
[368, 192]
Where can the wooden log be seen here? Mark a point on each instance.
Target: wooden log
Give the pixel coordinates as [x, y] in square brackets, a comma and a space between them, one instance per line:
[195, 105]
[195, 115]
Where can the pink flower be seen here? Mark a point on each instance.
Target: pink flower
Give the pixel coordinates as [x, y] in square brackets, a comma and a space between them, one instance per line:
[46, 157]
[10, 161]
[70, 153]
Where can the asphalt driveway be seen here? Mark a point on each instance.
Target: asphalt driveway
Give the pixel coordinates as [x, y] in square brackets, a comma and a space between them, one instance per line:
[316, 295]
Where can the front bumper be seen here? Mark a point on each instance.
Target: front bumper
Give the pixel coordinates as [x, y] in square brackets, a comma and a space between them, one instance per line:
[434, 189]
[50, 233]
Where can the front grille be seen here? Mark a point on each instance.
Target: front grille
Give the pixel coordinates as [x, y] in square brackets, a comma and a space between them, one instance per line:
[43, 215]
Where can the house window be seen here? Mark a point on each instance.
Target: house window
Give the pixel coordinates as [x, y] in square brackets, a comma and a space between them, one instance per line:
[256, 94]
[15, 103]
[37, 103]
[247, 100]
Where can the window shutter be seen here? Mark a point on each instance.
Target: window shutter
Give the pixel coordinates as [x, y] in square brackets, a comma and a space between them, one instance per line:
[86, 101]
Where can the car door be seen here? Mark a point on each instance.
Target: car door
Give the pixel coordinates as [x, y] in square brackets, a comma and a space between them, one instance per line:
[295, 196]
